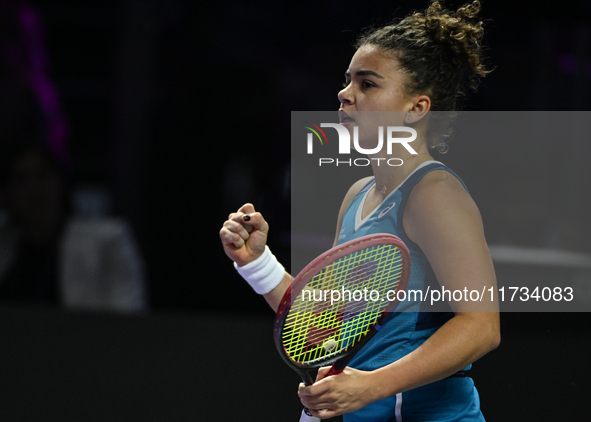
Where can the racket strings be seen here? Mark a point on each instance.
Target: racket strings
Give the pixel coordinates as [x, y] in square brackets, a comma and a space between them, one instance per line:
[317, 329]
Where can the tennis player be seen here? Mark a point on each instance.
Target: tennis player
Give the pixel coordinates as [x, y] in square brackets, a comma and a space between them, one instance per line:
[415, 368]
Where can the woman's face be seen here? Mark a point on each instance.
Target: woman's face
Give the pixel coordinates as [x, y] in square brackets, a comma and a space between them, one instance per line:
[373, 94]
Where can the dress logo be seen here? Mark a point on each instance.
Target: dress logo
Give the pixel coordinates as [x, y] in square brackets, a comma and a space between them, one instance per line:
[386, 210]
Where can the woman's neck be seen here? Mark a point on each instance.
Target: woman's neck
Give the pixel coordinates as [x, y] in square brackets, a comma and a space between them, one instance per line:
[389, 174]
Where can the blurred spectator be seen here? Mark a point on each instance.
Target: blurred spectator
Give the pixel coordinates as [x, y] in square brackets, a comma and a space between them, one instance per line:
[47, 255]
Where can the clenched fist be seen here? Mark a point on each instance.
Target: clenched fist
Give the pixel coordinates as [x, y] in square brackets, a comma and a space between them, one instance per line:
[244, 235]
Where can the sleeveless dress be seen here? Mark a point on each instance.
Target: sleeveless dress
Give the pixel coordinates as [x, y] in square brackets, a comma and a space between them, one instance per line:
[452, 399]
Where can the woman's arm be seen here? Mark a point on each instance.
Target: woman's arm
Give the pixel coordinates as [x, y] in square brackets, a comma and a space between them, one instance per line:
[443, 220]
[244, 237]
[244, 240]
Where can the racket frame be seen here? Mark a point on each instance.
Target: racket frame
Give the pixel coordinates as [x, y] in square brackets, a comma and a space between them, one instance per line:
[339, 361]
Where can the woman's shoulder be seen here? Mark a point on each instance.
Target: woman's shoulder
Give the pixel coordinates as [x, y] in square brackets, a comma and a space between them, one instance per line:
[438, 194]
[355, 189]
[358, 185]
[351, 194]
[436, 184]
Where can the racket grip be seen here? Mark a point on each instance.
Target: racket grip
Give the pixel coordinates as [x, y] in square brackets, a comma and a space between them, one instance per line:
[306, 418]
[308, 381]
[336, 368]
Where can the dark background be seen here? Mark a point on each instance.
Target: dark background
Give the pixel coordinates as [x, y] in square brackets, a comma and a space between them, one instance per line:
[176, 109]
[181, 113]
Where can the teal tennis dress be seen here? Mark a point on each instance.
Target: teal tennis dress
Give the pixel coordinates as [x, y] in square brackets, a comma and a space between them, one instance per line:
[453, 399]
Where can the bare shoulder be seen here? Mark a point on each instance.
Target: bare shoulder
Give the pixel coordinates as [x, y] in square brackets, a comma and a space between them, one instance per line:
[439, 202]
[438, 188]
[354, 190]
[351, 193]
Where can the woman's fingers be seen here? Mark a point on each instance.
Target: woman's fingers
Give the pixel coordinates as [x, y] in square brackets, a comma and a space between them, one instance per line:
[244, 235]
[235, 233]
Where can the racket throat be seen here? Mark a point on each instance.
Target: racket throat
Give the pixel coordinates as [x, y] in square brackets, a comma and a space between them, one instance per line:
[306, 377]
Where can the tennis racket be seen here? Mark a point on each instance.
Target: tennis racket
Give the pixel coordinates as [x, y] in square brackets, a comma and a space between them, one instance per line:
[313, 329]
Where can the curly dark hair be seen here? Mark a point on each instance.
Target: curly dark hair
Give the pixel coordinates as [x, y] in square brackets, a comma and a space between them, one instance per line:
[439, 51]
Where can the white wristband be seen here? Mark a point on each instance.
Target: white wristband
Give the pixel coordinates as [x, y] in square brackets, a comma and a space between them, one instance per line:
[264, 273]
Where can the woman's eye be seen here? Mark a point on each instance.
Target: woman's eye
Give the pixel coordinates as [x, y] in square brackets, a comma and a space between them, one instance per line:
[367, 84]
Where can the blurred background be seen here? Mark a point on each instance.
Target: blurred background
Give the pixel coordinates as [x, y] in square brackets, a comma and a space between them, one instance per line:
[129, 130]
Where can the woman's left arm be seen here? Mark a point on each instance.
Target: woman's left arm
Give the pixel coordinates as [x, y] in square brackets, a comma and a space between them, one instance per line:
[444, 221]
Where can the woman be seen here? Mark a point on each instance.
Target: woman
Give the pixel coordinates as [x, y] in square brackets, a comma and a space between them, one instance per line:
[414, 368]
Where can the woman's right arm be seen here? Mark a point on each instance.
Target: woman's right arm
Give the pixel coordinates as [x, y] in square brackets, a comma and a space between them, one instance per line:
[244, 237]
[244, 240]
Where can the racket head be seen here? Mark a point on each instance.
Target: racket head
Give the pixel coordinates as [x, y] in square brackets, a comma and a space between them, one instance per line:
[310, 334]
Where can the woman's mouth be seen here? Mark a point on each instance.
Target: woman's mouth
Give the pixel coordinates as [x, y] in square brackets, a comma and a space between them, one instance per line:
[344, 117]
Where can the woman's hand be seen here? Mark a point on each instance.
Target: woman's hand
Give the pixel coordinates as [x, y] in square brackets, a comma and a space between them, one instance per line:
[337, 394]
[244, 235]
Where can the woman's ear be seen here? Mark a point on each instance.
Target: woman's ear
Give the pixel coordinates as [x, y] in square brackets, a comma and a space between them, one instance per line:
[422, 104]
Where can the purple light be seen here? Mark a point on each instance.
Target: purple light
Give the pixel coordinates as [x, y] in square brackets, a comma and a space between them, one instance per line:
[27, 56]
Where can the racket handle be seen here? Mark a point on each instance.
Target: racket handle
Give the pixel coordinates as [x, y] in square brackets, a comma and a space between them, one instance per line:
[308, 381]
[336, 368]
[306, 418]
